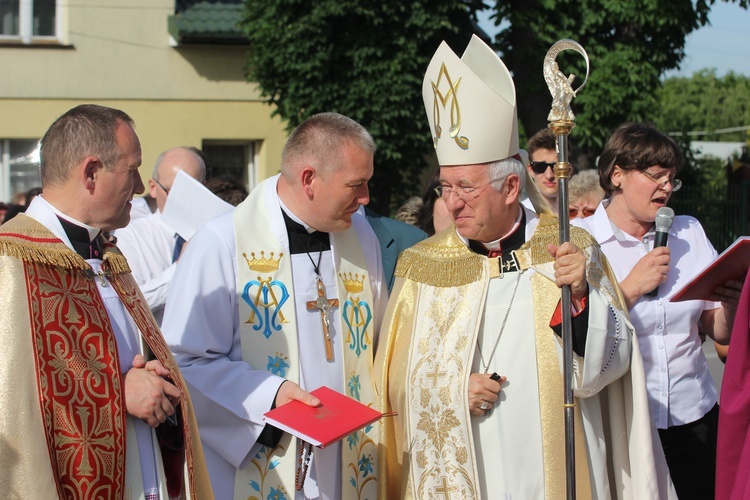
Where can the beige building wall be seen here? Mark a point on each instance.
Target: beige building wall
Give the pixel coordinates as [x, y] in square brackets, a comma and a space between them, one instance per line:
[119, 54]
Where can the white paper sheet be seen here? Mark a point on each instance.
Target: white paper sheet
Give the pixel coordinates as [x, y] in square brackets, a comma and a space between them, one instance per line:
[190, 205]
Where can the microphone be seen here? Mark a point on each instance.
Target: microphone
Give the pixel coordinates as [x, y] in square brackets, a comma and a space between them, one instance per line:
[664, 220]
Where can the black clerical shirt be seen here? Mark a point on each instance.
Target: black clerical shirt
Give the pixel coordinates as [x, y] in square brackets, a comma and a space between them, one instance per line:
[79, 238]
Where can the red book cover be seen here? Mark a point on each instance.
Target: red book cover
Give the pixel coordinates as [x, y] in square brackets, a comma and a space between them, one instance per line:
[732, 263]
[336, 417]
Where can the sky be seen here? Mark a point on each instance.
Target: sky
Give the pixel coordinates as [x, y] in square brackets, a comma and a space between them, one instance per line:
[723, 45]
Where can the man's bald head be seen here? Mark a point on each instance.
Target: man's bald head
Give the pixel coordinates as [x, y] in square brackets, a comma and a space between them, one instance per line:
[165, 170]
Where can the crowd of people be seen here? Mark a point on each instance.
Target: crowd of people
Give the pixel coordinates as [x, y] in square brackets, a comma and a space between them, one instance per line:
[140, 364]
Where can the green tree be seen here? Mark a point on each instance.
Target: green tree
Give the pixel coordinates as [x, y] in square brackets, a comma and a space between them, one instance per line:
[704, 102]
[364, 59]
[630, 45]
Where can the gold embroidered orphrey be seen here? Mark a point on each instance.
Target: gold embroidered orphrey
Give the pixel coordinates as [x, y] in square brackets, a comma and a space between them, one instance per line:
[324, 305]
[440, 100]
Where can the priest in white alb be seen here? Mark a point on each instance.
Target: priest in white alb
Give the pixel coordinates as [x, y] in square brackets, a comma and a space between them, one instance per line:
[277, 298]
[470, 357]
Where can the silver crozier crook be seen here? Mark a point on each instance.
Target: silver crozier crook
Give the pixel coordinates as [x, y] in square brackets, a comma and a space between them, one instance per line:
[561, 122]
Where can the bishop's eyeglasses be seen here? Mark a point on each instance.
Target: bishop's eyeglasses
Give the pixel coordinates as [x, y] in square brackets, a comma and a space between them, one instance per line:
[463, 193]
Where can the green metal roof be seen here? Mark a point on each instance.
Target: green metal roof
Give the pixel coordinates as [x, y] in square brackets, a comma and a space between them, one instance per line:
[207, 22]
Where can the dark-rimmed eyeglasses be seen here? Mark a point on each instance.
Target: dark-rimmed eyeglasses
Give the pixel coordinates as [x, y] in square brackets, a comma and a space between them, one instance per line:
[161, 186]
[662, 180]
[539, 167]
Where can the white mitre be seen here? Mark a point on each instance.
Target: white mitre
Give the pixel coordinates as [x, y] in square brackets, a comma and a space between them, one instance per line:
[471, 105]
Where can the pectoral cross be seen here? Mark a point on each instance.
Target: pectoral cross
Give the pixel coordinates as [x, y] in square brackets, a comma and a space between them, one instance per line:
[323, 305]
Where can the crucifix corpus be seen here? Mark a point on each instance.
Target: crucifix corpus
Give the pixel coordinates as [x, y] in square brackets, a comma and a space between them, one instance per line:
[324, 305]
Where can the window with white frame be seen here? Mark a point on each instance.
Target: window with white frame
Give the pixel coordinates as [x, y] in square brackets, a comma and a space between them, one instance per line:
[28, 20]
[19, 166]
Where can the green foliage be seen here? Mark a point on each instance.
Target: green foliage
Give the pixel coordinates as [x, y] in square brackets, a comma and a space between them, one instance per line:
[630, 44]
[704, 102]
[363, 59]
[366, 59]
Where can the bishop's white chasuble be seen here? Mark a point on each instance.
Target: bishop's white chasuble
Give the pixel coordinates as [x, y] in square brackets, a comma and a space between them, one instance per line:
[449, 301]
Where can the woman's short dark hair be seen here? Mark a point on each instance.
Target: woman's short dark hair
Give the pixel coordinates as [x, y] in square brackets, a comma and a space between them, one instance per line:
[637, 146]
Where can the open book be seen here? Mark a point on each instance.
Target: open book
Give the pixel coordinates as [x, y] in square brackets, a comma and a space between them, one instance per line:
[336, 417]
[732, 263]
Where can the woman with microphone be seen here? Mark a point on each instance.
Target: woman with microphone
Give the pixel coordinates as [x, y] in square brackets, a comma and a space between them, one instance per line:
[637, 171]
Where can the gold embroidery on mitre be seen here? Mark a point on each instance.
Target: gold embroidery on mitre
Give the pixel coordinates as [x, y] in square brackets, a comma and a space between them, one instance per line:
[353, 284]
[263, 265]
[455, 110]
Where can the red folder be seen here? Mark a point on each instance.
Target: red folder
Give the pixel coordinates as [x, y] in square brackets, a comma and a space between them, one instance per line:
[336, 417]
[732, 263]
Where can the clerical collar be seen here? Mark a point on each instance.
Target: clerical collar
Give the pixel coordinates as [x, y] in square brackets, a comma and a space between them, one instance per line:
[288, 213]
[93, 232]
[84, 244]
[502, 247]
[301, 240]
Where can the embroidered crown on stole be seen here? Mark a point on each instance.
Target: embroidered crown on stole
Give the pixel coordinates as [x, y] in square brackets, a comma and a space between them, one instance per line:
[353, 284]
[263, 265]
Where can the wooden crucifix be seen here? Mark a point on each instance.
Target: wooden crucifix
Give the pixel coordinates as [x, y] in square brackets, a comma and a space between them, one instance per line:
[323, 305]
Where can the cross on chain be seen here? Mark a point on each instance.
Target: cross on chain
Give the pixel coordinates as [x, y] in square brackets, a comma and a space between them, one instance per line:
[323, 305]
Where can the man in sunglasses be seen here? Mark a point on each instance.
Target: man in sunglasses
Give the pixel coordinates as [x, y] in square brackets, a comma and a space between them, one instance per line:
[542, 155]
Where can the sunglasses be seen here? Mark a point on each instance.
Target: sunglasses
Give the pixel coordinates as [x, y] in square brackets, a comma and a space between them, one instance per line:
[539, 167]
[587, 212]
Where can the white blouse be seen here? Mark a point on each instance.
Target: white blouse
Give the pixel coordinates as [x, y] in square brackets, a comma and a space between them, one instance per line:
[679, 384]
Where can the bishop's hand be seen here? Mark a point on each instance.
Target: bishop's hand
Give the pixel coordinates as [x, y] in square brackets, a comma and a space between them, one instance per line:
[483, 392]
[570, 269]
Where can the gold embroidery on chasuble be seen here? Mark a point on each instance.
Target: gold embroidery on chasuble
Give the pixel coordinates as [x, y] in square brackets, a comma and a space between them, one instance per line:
[78, 373]
[545, 296]
[79, 381]
[442, 455]
[551, 398]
